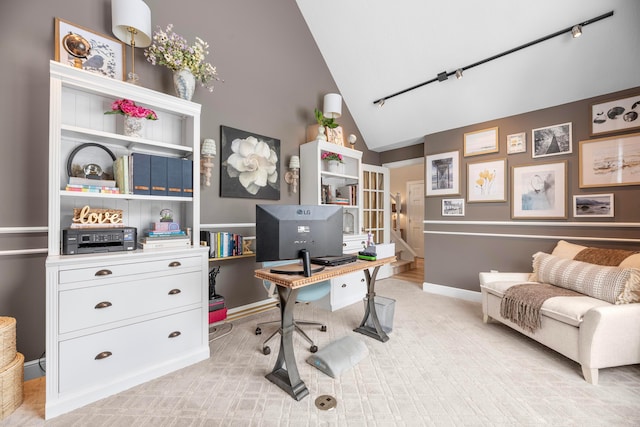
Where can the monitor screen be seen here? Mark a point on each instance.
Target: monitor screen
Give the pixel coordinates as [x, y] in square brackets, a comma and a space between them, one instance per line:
[286, 232]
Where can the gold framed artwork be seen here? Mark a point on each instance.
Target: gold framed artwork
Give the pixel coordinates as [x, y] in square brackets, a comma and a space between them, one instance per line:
[517, 143]
[539, 191]
[481, 142]
[615, 116]
[452, 207]
[83, 48]
[593, 205]
[609, 162]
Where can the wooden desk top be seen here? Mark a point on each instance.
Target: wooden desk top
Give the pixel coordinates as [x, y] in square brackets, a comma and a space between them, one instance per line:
[298, 281]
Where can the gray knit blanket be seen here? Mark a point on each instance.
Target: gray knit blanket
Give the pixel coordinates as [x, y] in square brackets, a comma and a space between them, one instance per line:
[521, 304]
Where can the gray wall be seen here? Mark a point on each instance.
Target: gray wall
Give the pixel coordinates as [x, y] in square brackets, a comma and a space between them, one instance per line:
[456, 260]
[274, 78]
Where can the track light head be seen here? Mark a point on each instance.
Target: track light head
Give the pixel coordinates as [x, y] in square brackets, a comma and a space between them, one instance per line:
[459, 73]
[576, 31]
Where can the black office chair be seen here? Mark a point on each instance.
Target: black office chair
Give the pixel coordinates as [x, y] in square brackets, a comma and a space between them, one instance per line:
[305, 294]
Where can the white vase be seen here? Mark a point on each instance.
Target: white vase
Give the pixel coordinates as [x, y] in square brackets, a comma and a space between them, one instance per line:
[184, 83]
[133, 126]
[335, 166]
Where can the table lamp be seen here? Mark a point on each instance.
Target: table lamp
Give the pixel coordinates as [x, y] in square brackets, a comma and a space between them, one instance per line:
[131, 23]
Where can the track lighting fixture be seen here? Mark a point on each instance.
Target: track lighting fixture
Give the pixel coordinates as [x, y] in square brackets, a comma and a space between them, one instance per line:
[575, 30]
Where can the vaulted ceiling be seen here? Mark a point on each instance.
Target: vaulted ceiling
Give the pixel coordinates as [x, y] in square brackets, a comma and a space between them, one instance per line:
[375, 48]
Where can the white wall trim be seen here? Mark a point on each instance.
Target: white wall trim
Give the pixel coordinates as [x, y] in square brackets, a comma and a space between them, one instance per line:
[401, 163]
[539, 223]
[449, 291]
[32, 369]
[536, 236]
[230, 225]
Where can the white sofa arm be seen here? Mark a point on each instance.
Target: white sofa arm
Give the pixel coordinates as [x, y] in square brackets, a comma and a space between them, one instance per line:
[610, 336]
[495, 276]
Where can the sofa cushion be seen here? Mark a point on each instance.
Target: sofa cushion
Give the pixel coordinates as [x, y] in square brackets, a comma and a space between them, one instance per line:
[599, 256]
[569, 310]
[612, 284]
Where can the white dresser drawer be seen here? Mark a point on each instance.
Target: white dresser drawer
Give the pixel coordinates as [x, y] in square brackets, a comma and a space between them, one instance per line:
[102, 304]
[107, 357]
[353, 243]
[347, 289]
[122, 269]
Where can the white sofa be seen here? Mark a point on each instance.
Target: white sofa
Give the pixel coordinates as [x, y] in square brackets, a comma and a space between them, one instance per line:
[595, 333]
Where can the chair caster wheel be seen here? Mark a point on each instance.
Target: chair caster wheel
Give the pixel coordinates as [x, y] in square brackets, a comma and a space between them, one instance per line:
[323, 328]
[266, 350]
[258, 331]
[313, 348]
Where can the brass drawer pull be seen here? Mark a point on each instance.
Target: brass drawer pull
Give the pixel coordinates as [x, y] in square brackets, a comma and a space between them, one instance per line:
[175, 264]
[104, 272]
[174, 334]
[174, 291]
[103, 304]
[103, 355]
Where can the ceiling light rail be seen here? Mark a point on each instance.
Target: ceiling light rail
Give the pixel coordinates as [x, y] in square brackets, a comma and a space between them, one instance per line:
[574, 30]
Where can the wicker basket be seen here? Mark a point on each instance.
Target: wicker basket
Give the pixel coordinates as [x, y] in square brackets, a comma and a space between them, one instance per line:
[11, 386]
[7, 341]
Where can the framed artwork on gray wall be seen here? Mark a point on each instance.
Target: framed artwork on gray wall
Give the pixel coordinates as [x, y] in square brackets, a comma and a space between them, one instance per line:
[615, 116]
[249, 165]
[551, 140]
[452, 207]
[105, 56]
[539, 191]
[517, 143]
[611, 161]
[442, 174]
[481, 142]
[593, 205]
[487, 181]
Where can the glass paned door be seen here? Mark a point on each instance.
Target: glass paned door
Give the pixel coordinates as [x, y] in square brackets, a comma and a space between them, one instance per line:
[376, 202]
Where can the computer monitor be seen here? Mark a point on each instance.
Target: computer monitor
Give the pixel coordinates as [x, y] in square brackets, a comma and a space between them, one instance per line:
[286, 232]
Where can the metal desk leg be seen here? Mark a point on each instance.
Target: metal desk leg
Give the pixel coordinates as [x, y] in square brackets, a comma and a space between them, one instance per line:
[370, 310]
[285, 372]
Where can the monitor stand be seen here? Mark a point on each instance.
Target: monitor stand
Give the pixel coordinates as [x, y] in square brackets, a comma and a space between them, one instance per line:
[307, 270]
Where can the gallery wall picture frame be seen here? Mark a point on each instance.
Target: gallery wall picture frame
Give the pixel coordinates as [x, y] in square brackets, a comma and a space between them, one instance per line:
[517, 143]
[618, 115]
[486, 181]
[593, 205]
[610, 162]
[442, 174]
[551, 140]
[479, 142]
[106, 56]
[539, 191]
[452, 207]
[239, 181]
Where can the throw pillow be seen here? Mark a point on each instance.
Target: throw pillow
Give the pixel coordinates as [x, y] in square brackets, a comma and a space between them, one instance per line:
[612, 284]
[600, 256]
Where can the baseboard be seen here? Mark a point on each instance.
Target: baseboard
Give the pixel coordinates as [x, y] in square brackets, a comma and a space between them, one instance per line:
[32, 369]
[448, 291]
[250, 309]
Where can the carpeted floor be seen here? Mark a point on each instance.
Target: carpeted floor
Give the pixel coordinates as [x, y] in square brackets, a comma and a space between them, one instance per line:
[441, 367]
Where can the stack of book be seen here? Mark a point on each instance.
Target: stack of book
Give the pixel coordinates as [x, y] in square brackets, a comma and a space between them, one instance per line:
[86, 185]
[222, 244]
[164, 239]
[141, 173]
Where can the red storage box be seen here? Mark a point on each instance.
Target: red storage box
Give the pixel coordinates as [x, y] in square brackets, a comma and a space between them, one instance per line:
[218, 315]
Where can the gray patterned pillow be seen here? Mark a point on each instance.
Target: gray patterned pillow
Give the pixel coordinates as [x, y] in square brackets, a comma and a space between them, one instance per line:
[612, 284]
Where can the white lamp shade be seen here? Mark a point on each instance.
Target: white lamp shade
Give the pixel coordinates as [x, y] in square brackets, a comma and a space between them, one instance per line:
[294, 163]
[208, 147]
[127, 14]
[332, 106]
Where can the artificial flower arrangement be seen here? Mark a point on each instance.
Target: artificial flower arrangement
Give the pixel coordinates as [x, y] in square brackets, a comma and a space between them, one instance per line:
[329, 155]
[325, 121]
[173, 51]
[127, 107]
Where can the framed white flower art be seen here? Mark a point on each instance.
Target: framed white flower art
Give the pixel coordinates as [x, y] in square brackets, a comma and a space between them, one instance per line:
[249, 165]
